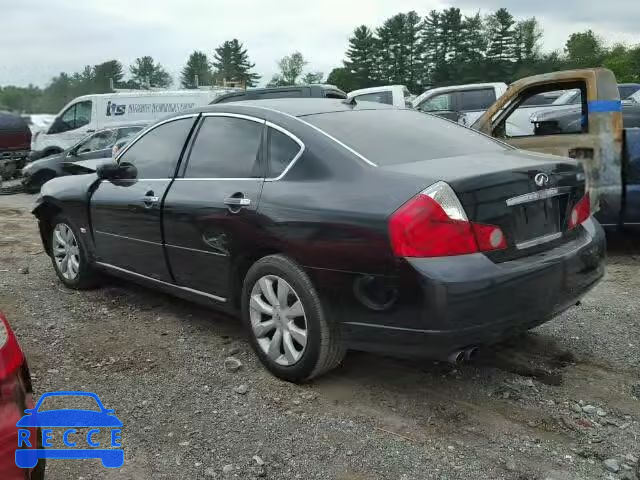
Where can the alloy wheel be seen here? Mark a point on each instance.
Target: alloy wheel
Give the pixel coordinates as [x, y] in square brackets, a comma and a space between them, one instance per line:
[66, 251]
[278, 320]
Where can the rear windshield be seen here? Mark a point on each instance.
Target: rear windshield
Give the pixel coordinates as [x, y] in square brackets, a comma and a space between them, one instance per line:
[390, 137]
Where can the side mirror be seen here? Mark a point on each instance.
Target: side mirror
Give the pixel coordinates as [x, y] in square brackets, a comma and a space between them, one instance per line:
[114, 171]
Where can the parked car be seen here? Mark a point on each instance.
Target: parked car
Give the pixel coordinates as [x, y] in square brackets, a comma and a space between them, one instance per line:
[90, 113]
[16, 395]
[461, 103]
[331, 226]
[396, 95]
[15, 143]
[96, 145]
[291, 91]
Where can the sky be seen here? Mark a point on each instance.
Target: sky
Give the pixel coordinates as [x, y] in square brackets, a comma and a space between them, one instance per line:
[46, 37]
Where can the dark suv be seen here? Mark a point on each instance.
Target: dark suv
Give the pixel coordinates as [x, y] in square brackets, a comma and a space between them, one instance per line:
[293, 91]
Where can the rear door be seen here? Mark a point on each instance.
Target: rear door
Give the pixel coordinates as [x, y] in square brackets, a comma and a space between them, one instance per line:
[595, 139]
[209, 215]
[125, 214]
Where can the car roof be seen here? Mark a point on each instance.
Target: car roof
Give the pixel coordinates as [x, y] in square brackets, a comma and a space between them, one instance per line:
[296, 107]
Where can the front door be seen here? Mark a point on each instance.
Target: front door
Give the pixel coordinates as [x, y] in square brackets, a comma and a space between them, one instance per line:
[210, 214]
[126, 214]
[590, 132]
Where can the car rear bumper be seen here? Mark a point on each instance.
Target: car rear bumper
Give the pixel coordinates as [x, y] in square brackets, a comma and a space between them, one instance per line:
[438, 305]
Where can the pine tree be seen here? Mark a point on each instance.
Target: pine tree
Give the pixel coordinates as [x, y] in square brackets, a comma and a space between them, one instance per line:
[502, 44]
[430, 45]
[391, 54]
[528, 35]
[231, 63]
[146, 72]
[197, 64]
[473, 46]
[361, 58]
[104, 73]
[414, 69]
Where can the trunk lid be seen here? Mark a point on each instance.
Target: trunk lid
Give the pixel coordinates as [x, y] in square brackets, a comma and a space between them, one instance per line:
[528, 195]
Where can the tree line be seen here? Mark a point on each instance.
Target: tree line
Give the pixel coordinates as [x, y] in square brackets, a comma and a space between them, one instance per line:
[444, 47]
[229, 62]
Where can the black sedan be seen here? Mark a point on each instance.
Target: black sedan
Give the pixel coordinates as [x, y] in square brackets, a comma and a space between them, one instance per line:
[328, 225]
[96, 145]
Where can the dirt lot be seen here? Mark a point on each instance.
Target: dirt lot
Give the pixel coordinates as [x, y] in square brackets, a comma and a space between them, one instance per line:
[554, 404]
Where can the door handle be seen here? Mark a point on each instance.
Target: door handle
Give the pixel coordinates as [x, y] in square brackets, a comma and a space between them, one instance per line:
[237, 201]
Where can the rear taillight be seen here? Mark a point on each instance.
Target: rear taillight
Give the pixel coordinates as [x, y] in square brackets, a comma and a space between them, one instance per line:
[580, 212]
[11, 356]
[434, 224]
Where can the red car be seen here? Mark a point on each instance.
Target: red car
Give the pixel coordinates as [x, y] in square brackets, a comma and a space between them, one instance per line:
[16, 395]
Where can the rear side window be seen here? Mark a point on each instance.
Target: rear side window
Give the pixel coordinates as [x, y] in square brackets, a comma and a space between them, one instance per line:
[282, 150]
[379, 97]
[480, 99]
[226, 147]
[390, 137]
[156, 153]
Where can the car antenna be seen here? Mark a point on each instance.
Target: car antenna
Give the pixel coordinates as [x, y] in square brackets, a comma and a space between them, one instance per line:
[350, 101]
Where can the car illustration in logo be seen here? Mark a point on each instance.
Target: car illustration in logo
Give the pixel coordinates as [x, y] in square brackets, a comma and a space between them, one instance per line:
[69, 420]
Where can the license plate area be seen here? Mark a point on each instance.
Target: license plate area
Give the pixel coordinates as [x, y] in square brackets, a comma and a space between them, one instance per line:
[537, 220]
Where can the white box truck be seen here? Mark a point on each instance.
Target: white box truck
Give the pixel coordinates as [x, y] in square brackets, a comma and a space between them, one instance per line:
[89, 113]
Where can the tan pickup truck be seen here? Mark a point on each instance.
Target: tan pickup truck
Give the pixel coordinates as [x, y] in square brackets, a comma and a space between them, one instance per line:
[610, 153]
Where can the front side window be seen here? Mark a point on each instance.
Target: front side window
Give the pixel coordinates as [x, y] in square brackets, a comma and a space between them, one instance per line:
[127, 132]
[378, 97]
[282, 150]
[76, 116]
[439, 103]
[156, 154]
[98, 141]
[226, 147]
[524, 121]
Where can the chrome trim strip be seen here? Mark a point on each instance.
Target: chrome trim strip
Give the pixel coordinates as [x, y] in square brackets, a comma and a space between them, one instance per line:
[196, 250]
[147, 130]
[539, 195]
[234, 115]
[360, 156]
[213, 178]
[295, 158]
[127, 238]
[138, 180]
[538, 241]
[138, 275]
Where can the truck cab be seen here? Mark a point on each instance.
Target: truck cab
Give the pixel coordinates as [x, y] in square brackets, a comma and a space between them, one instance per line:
[609, 154]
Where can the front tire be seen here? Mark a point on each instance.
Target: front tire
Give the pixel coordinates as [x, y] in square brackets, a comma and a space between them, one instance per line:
[69, 258]
[287, 324]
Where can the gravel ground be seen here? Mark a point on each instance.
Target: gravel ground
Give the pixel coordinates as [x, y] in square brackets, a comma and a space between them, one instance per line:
[553, 404]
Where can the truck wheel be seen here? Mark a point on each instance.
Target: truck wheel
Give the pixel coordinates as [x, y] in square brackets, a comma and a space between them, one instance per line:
[286, 321]
[69, 257]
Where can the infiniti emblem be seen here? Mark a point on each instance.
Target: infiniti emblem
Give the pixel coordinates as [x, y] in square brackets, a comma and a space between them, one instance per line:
[541, 179]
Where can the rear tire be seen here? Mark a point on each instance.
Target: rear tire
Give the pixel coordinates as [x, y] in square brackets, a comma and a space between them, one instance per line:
[68, 255]
[286, 322]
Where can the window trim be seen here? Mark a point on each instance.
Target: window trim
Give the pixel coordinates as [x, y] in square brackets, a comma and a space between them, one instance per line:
[181, 174]
[295, 158]
[266, 123]
[147, 130]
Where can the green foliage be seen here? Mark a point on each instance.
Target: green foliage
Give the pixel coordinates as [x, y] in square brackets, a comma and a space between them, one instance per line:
[291, 68]
[145, 72]
[360, 65]
[231, 63]
[343, 79]
[197, 64]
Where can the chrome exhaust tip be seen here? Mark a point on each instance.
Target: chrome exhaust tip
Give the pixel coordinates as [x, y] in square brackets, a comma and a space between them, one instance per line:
[456, 357]
[470, 354]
